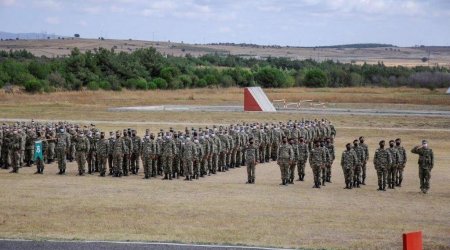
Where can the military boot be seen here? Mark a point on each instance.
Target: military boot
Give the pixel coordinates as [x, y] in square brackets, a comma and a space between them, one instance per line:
[187, 178]
[283, 182]
[170, 177]
[165, 177]
[400, 182]
[363, 181]
[253, 181]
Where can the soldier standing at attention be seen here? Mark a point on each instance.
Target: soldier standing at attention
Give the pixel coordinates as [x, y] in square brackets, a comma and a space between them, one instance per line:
[82, 148]
[147, 154]
[169, 150]
[293, 164]
[62, 146]
[401, 162]
[382, 160]
[102, 153]
[136, 140]
[364, 163]
[426, 163]
[126, 153]
[348, 162]
[39, 160]
[15, 151]
[329, 145]
[285, 157]
[392, 169]
[361, 157]
[118, 153]
[317, 158]
[302, 158]
[111, 141]
[188, 153]
[251, 158]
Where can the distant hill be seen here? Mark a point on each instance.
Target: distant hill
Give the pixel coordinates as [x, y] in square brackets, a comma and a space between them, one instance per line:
[358, 46]
[27, 36]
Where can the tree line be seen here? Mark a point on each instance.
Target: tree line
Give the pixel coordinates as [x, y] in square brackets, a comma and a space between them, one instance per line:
[148, 69]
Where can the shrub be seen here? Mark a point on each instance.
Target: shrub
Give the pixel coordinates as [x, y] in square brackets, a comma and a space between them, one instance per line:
[93, 85]
[160, 83]
[33, 85]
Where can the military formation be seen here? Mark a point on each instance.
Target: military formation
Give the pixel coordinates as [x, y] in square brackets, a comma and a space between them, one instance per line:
[199, 152]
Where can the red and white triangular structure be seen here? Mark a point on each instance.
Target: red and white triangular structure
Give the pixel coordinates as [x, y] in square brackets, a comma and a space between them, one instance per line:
[256, 100]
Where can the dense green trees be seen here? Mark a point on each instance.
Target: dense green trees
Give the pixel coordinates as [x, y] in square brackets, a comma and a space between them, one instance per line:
[146, 69]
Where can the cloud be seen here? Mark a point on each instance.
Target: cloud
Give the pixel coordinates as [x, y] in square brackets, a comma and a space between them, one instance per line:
[52, 20]
[91, 9]
[48, 4]
[83, 23]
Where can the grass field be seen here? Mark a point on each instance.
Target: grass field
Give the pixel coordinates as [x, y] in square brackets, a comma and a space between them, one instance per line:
[407, 56]
[221, 208]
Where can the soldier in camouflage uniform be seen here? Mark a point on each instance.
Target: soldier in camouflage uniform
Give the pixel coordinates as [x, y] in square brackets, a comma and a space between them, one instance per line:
[317, 159]
[126, 153]
[29, 147]
[198, 158]
[102, 153]
[91, 154]
[169, 150]
[82, 147]
[39, 161]
[111, 141]
[293, 164]
[329, 145]
[1, 146]
[358, 167]
[62, 146]
[401, 162]
[15, 151]
[392, 169]
[51, 145]
[204, 142]
[364, 163]
[148, 150]
[348, 162]
[176, 168]
[285, 156]
[426, 164]
[302, 158]
[382, 160]
[251, 159]
[328, 161]
[119, 150]
[189, 150]
[136, 140]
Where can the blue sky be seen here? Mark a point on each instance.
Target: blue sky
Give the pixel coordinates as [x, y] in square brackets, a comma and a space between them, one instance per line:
[283, 22]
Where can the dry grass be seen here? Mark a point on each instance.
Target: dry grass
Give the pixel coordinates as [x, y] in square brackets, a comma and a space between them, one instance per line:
[408, 57]
[221, 209]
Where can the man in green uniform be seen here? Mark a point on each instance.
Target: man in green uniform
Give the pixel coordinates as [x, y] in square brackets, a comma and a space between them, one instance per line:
[401, 162]
[102, 153]
[317, 159]
[82, 148]
[348, 162]
[251, 158]
[381, 161]
[285, 156]
[426, 163]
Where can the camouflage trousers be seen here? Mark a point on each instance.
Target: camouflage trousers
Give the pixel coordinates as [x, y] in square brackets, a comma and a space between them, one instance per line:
[251, 171]
[424, 176]
[102, 163]
[134, 161]
[348, 175]
[399, 173]
[274, 151]
[284, 169]
[213, 162]
[234, 157]
[117, 163]
[357, 173]
[382, 176]
[125, 164]
[222, 160]
[90, 157]
[81, 161]
[196, 167]
[176, 168]
[392, 175]
[301, 168]
[204, 165]
[167, 163]
[110, 163]
[316, 172]
[61, 156]
[328, 170]
[147, 165]
[262, 153]
[51, 151]
[364, 169]
[188, 166]
[268, 152]
[29, 155]
[292, 167]
[15, 160]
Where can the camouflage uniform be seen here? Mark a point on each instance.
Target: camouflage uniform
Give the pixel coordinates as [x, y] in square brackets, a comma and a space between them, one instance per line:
[118, 150]
[91, 156]
[364, 163]
[82, 147]
[317, 159]
[189, 150]
[102, 155]
[15, 152]
[62, 146]
[329, 165]
[382, 160]
[284, 158]
[348, 162]
[251, 156]
[401, 165]
[136, 140]
[204, 160]
[126, 154]
[302, 158]
[111, 142]
[198, 159]
[148, 153]
[169, 150]
[392, 169]
[51, 146]
[426, 163]
[358, 167]
[29, 148]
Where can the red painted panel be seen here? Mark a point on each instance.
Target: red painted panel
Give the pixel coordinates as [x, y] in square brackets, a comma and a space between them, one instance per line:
[250, 103]
[412, 241]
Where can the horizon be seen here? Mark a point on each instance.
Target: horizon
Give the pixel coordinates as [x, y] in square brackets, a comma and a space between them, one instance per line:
[302, 23]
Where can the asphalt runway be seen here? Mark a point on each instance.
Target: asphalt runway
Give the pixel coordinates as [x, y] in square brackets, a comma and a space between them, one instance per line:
[110, 245]
[318, 111]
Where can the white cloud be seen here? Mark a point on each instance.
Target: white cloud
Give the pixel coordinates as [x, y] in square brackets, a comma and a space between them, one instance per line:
[52, 20]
